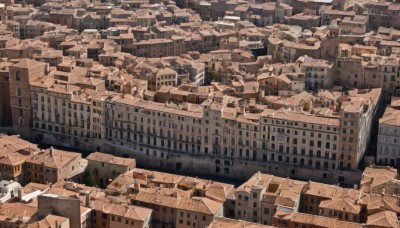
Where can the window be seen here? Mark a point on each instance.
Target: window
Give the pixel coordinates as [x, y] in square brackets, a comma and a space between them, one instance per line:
[21, 122]
[18, 76]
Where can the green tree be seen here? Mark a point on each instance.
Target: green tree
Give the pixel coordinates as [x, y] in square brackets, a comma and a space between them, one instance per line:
[88, 179]
[213, 76]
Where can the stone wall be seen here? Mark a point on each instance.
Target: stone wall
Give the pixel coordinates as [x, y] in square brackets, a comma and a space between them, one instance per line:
[240, 170]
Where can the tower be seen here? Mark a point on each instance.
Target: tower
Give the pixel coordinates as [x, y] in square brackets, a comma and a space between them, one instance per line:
[21, 75]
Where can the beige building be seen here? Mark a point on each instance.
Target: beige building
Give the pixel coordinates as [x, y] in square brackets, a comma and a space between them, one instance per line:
[368, 71]
[106, 167]
[13, 156]
[108, 215]
[129, 181]
[177, 201]
[166, 76]
[175, 210]
[333, 146]
[134, 127]
[67, 207]
[388, 150]
[289, 50]
[154, 48]
[263, 195]
[285, 202]
[319, 73]
[51, 166]
[63, 110]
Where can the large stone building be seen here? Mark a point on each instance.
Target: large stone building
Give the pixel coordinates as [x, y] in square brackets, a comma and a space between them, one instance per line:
[299, 135]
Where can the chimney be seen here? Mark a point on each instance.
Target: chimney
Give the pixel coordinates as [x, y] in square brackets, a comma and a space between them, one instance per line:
[51, 151]
[20, 192]
[47, 68]
[87, 199]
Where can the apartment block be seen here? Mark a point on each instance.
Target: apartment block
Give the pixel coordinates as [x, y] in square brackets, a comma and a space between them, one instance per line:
[214, 127]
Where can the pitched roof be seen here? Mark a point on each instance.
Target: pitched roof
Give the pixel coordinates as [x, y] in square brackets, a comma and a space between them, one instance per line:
[27, 63]
[199, 204]
[53, 158]
[232, 223]
[126, 211]
[383, 219]
[108, 158]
